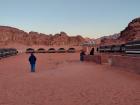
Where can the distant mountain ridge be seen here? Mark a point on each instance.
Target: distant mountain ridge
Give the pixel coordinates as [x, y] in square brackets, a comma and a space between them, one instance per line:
[114, 36]
[14, 35]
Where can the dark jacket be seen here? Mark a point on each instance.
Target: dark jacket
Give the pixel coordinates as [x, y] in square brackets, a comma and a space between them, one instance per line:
[82, 56]
[32, 59]
[92, 51]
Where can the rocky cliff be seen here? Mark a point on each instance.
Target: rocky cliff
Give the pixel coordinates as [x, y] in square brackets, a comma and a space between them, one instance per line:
[130, 33]
[14, 35]
[111, 39]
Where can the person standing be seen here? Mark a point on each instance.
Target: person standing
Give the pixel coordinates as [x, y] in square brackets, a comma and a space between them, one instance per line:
[82, 55]
[92, 51]
[32, 60]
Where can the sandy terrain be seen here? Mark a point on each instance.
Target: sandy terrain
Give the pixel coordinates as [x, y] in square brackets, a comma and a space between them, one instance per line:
[61, 79]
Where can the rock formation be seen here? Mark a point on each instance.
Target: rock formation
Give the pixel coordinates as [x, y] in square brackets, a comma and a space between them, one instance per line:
[111, 39]
[130, 33]
[14, 35]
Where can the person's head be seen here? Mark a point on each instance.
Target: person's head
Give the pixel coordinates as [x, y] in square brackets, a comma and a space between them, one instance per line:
[32, 54]
[92, 49]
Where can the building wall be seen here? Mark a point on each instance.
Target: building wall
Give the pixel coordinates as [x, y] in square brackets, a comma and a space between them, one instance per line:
[129, 63]
[126, 62]
[93, 58]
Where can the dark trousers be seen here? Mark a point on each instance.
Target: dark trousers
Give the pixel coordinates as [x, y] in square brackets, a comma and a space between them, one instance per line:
[32, 67]
[81, 58]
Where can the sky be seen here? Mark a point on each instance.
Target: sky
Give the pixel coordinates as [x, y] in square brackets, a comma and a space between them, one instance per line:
[89, 18]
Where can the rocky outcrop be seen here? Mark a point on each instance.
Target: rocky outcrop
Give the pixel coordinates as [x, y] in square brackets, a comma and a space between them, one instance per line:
[14, 35]
[111, 39]
[9, 34]
[130, 33]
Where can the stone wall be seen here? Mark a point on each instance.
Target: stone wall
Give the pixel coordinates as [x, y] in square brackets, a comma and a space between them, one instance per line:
[127, 62]
[104, 58]
[93, 58]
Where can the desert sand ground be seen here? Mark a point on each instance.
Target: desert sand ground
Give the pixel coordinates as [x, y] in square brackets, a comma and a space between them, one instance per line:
[60, 79]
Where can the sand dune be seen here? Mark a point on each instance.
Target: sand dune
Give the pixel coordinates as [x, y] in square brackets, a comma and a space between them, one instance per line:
[60, 79]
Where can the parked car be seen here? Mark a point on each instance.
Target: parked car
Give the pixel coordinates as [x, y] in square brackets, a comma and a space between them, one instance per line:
[102, 49]
[71, 50]
[30, 50]
[41, 50]
[61, 50]
[2, 53]
[5, 52]
[13, 51]
[51, 50]
[118, 48]
[132, 47]
[112, 48]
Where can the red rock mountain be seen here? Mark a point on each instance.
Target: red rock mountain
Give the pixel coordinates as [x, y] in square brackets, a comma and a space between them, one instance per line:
[130, 33]
[14, 35]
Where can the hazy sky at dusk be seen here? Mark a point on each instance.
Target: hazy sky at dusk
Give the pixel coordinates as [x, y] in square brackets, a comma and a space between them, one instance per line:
[90, 18]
